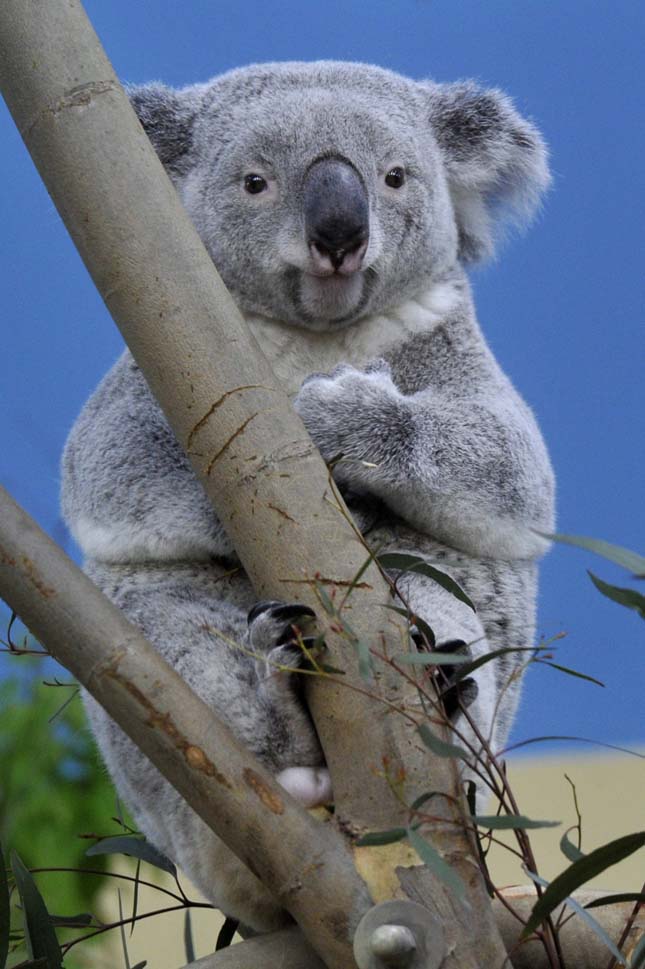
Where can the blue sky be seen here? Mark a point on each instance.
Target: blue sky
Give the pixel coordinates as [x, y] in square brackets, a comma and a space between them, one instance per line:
[562, 306]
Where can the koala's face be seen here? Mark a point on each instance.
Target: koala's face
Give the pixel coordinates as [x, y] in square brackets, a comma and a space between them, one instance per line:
[318, 210]
[326, 191]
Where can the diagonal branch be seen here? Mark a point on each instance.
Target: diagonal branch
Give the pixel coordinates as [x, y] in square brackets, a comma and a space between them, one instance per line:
[251, 452]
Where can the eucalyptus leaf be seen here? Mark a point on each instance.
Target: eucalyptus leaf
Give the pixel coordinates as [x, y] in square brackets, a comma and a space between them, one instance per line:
[417, 621]
[570, 672]
[5, 913]
[584, 915]
[39, 931]
[507, 822]
[188, 938]
[431, 659]
[625, 597]
[136, 848]
[403, 562]
[431, 857]
[569, 850]
[388, 837]
[474, 664]
[438, 746]
[71, 921]
[616, 899]
[579, 873]
[638, 955]
[365, 660]
[615, 553]
[226, 933]
[569, 739]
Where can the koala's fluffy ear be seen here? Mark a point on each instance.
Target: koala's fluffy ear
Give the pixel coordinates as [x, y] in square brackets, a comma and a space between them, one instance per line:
[167, 116]
[497, 162]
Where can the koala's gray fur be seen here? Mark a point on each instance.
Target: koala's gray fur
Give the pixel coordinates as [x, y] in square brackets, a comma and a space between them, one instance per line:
[352, 279]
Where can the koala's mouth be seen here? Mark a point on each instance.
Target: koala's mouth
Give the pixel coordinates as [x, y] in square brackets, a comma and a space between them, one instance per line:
[332, 300]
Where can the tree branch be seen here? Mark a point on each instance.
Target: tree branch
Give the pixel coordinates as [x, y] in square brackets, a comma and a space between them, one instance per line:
[273, 835]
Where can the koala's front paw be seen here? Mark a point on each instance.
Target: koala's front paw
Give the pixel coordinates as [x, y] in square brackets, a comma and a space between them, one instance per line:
[351, 412]
[273, 633]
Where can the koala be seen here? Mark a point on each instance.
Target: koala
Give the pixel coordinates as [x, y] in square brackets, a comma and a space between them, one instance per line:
[342, 204]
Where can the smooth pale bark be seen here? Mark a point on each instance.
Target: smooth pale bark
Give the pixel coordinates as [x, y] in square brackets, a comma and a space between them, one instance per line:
[304, 862]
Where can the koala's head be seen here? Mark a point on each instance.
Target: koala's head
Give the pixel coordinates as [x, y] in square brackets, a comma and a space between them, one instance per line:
[324, 191]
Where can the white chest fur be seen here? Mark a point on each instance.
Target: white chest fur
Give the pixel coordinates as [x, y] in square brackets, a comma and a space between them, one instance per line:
[294, 352]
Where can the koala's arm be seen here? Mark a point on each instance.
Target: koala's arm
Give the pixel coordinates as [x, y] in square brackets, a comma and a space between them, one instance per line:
[128, 491]
[466, 465]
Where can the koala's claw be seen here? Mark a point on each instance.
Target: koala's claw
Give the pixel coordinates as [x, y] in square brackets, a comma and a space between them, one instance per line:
[271, 632]
[279, 610]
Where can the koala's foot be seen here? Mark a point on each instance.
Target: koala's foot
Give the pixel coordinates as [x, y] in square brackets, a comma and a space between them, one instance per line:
[309, 785]
[273, 636]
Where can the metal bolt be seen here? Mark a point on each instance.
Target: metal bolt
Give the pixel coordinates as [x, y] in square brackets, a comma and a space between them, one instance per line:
[399, 934]
[394, 945]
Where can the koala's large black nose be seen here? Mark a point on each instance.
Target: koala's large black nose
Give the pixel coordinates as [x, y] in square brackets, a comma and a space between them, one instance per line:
[336, 215]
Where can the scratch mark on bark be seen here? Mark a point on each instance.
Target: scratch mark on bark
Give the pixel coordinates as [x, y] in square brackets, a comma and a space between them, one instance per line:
[211, 410]
[282, 513]
[76, 97]
[226, 444]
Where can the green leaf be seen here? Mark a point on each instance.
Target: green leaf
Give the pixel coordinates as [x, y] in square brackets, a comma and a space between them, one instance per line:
[568, 739]
[5, 913]
[431, 659]
[438, 746]
[365, 659]
[616, 899]
[402, 562]
[188, 938]
[417, 621]
[584, 915]
[473, 665]
[431, 857]
[72, 921]
[570, 672]
[506, 822]
[626, 597]
[568, 849]
[226, 933]
[580, 872]
[364, 567]
[382, 837]
[471, 797]
[39, 931]
[136, 848]
[615, 553]
[326, 602]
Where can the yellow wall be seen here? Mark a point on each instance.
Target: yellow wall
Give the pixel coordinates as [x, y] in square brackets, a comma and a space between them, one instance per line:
[611, 795]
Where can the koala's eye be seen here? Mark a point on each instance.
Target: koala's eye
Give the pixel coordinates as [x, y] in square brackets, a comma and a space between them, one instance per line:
[254, 184]
[395, 177]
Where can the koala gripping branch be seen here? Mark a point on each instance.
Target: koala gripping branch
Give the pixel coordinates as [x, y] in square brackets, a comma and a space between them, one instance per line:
[268, 484]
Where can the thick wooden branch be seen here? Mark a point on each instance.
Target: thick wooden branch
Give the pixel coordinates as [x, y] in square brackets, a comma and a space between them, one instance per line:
[304, 862]
[581, 948]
